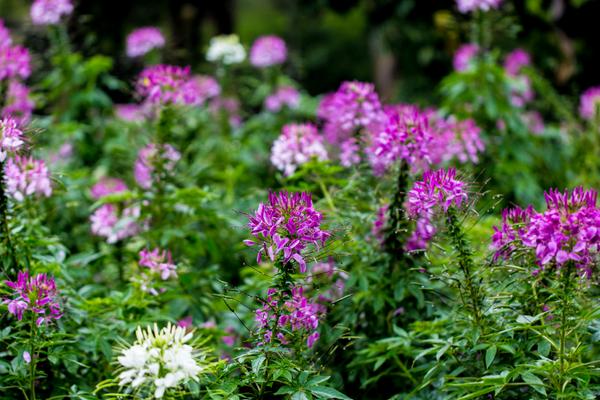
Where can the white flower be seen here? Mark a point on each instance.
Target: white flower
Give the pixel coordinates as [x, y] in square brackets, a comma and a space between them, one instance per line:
[159, 359]
[227, 49]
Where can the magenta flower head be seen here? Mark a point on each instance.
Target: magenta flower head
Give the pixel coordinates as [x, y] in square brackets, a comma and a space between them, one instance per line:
[160, 262]
[454, 139]
[49, 12]
[438, 190]
[292, 319]
[18, 105]
[163, 84]
[466, 6]
[284, 96]
[14, 62]
[515, 61]
[514, 222]
[379, 225]
[36, 294]
[130, 112]
[353, 107]
[106, 186]
[153, 159]
[285, 226]
[407, 136]
[11, 138]
[26, 176]
[267, 51]
[589, 106]
[115, 222]
[298, 144]
[143, 40]
[464, 57]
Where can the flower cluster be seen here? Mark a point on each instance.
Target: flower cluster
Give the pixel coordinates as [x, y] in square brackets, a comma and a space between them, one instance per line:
[267, 51]
[5, 38]
[466, 6]
[143, 40]
[152, 159]
[464, 56]
[160, 263]
[284, 96]
[26, 176]
[49, 12]
[115, 222]
[162, 84]
[438, 190]
[36, 294]
[14, 62]
[18, 104]
[379, 225]
[208, 87]
[353, 107]
[228, 107]
[288, 317]
[589, 105]
[226, 49]
[285, 226]
[515, 61]
[11, 138]
[521, 90]
[568, 231]
[298, 144]
[454, 139]
[130, 112]
[159, 360]
[106, 186]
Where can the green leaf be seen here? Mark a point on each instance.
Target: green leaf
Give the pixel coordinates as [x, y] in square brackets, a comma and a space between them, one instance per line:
[257, 363]
[534, 381]
[490, 354]
[285, 390]
[299, 396]
[324, 392]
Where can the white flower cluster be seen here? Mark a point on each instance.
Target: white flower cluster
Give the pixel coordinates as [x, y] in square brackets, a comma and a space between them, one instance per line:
[159, 360]
[227, 49]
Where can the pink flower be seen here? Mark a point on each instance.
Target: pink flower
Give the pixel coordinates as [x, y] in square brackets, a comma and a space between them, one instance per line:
[162, 84]
[378, 230]
[298, 144]
[143, 40]
[285, 226]
[36, 294]
[14, 62]
[534, 122]
[186, 322]
[515, 61]
[514, 221]
[18, 105]
[115, 222]
[26, 176]
[589, 106]
[349, 152]
[227, 107]
[267, 51]
[466, 6]
[438, 189]
[152, 160]
[130, 112]
[284, 96]
[5, 39]
[49, 12]
[106, 186]
[160, 262]
[464, 55]
[11, 138]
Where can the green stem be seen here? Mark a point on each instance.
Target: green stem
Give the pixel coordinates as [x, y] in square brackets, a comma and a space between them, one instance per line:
[326, 194]
[565, 302]
[465, 262]
[4, 229]
[394, 238]
[32, 364]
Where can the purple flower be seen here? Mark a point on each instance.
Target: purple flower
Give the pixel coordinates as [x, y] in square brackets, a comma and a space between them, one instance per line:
[18, 104]
[293, 316]
[106, 186]
[380, 223]
[228, 107]
[130, 112]
[589, 106]
[207, 86]
[354, 107]
[36, 294]
[406, 137]
[152, 159]
[515, 61]
[160, 262]
[26, 176]
[349, 152]
[284, 96]
[49, 12]
[143, 40]
[115, 222]
[464, 56]
[453, 139]
[163, 84]
[521, 91]
[438, 189]
[534, 122]
[422, 235]
[267, 51]
[298, 144]
[466, 6]
[285, 226]
[11, 138]
[568, 231]
[14, 62]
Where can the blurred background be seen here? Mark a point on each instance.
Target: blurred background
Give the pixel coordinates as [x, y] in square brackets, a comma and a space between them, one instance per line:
[404, 46]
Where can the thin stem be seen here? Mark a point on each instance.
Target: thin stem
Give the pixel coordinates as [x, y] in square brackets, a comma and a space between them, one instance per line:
[5, 230]
[394, 238]
[565, 300]
[326, 194]
[32, 364]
